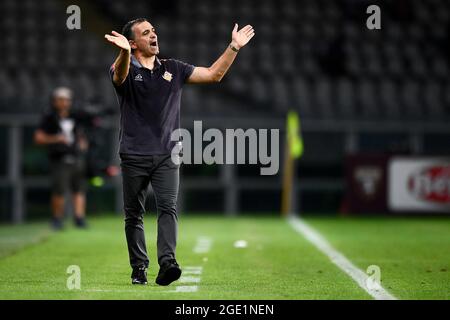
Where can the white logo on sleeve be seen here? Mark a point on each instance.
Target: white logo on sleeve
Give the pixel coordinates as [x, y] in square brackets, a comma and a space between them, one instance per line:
[138, 77]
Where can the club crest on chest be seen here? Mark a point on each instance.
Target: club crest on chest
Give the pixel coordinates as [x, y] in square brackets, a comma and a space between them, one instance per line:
[167, 76]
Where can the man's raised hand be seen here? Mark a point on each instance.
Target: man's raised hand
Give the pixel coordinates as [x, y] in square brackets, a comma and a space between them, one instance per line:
[119, 40]
[242, 37]
[122, 64]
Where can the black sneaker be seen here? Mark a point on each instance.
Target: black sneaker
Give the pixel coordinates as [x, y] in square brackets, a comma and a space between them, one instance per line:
[168, 273]
[139, 275]
[81, 223]
[57, 224]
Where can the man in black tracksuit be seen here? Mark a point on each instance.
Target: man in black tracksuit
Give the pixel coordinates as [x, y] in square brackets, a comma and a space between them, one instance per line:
[149, 95]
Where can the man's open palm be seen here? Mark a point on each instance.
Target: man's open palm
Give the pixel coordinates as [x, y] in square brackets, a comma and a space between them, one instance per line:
[119, 40]
[242, 37]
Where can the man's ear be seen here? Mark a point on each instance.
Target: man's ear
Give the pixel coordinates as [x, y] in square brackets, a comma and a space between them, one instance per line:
[132, 44]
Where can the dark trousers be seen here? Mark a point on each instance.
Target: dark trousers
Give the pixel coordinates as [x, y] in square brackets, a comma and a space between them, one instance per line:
[137, 173]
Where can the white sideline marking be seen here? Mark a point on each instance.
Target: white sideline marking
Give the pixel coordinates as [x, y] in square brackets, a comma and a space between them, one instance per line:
[191, 270]
[240, 244]
[185, 289]
[203, 245]
[192, 274]
[337, 258]
[196, 268]
[189, 279]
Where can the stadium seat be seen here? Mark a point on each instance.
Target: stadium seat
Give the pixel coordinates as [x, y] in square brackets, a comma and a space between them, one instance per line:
[324, 70]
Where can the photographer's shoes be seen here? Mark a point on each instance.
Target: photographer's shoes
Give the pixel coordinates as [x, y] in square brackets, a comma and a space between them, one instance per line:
[57, 224]
[80, 223]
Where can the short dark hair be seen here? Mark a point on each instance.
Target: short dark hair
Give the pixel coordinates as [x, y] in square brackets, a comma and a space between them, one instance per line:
[127, 30]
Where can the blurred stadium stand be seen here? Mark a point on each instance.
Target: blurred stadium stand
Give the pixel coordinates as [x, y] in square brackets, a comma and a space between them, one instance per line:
[313, 56]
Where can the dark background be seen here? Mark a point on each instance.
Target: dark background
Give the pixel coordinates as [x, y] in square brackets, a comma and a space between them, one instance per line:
[358, 91]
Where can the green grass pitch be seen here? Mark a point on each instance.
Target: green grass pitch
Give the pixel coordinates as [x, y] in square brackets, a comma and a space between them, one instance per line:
[277, 263]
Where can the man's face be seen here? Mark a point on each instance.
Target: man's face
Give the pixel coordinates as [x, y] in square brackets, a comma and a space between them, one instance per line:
[145, 39]
[62, 104]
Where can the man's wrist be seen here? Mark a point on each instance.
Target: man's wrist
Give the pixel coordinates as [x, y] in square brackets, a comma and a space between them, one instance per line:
[233, 46]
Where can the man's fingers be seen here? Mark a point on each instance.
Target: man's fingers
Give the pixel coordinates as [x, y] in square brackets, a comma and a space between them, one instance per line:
[236, 26]
[115, 33]
[248, 32]
[110, 38]
[246, 28]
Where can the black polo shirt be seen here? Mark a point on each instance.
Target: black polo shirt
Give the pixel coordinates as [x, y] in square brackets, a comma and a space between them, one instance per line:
[150, 106]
